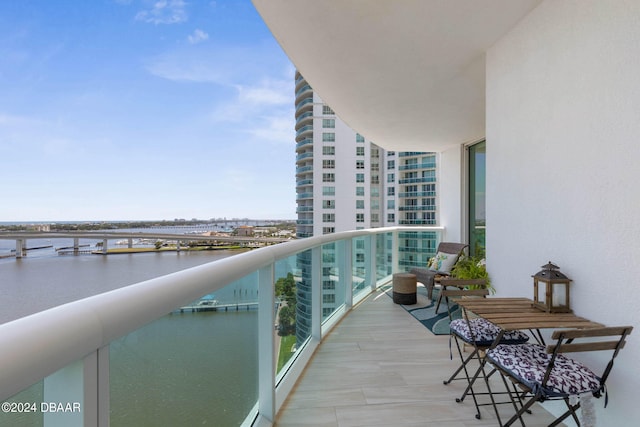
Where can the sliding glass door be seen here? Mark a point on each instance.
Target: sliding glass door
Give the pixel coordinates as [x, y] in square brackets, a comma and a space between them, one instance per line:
[477, 187]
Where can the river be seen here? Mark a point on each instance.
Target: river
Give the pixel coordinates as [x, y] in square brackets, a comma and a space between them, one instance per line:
[185, 369]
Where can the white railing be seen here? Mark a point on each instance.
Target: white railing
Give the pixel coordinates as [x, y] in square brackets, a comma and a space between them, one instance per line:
[67, 347]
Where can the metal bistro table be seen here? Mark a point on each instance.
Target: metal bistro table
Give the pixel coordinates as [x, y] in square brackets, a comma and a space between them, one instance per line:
[517, 314]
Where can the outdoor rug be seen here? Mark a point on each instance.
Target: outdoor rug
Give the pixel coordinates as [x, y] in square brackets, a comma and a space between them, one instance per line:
[425, 311]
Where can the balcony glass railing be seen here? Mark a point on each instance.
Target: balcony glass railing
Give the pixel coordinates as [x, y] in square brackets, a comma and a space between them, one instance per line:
[429, 165]
[417, 180]
[303, 129]
[304, 102]
[219, 344]
[301, 117]
[306, 141]
[303, 156]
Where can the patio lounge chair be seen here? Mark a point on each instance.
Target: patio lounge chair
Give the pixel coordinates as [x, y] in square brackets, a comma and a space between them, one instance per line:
[448, 253]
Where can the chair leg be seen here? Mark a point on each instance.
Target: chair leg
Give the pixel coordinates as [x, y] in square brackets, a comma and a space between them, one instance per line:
[571, 411]
[461, 367]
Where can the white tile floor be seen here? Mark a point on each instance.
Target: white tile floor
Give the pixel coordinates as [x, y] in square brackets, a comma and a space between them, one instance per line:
[381, 367]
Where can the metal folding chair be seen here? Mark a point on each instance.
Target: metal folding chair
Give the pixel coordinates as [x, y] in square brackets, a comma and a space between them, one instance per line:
[479, 334]
[545, 373]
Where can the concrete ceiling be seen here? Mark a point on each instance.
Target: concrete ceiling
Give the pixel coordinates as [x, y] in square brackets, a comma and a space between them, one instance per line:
[407, 74]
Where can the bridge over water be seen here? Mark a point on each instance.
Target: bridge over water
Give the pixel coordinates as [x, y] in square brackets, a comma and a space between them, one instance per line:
[22, 237]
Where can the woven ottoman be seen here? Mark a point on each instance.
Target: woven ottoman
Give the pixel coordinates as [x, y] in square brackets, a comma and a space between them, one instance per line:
[404, 288]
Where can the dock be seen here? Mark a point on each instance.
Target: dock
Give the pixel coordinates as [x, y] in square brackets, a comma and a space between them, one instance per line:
[245, 306]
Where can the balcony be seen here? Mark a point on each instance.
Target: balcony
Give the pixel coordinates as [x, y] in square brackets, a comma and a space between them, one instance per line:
[98, 348]
[391, 373]
[391, 367]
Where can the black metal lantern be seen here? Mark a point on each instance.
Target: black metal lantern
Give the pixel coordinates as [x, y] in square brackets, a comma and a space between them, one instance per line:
[553, 297]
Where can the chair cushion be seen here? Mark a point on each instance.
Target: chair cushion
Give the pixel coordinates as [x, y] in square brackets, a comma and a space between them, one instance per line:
[528, 364]
[443, 262]
[484, 332]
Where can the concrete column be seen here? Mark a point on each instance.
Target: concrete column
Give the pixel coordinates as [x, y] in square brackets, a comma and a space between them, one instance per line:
[105, 243]
[130, 242]
[76, 245]
[19, 247]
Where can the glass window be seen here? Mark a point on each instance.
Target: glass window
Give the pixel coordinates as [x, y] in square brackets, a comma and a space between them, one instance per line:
[327, 110]
[329, 298]
[329, 149]
[477, 186]
[328, 164]
[359, 177]
[391, 164]
[328, 177]
[329, 204]
[359, 151]
[328, 217]
[328, 191]
[328, 123]
[328, 137]
[391, 191]
[391, 217]
[359, 164]
[359, 217]
[359, 204]
[391, 177]
[359, 138]
[391, 204]
[359, 191]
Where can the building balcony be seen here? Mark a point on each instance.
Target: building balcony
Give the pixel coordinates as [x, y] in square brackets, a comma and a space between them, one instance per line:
[418, 208]
[303, 129]
[303, 156]
[428, 165]
[304, 169]
[391, 367]
[304, 105]
[307, 116]
[416, 180]
[305, 142]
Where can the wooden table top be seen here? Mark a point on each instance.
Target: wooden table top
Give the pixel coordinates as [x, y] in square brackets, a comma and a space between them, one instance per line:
[519, 313]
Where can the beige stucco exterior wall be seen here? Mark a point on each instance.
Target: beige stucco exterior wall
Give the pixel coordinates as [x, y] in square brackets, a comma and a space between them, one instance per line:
[563, 123]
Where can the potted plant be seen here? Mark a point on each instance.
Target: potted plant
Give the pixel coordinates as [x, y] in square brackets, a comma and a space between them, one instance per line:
[472, 267]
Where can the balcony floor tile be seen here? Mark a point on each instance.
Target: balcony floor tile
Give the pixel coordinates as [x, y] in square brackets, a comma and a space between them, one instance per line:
[381, 367]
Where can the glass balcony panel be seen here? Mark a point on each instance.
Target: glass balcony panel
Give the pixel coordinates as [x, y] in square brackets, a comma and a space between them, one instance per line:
[384, 257]
[197, 365]
[415, 248]
[333, 292]
[19, 410]
[288, 274]
[359, 262]
[304, 283]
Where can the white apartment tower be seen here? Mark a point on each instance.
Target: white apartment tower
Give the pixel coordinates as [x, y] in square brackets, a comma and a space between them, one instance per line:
[345, 182]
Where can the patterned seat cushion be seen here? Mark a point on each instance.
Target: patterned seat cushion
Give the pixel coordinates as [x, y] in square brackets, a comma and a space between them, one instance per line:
[484, 332]
[528, 364]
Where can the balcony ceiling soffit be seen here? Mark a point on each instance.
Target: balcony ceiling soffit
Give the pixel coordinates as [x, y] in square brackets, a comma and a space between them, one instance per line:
[407, 74]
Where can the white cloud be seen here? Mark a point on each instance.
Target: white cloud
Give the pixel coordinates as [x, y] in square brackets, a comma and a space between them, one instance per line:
[275, 128]
[164, 12]
[198, 36]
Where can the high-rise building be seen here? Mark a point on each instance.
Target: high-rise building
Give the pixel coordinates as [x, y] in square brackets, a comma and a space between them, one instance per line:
[346, 182]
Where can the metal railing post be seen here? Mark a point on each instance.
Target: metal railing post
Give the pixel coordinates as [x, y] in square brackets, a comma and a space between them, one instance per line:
[266, 343]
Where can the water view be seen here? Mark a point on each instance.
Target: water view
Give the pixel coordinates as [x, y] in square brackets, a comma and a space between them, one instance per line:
[163, 374]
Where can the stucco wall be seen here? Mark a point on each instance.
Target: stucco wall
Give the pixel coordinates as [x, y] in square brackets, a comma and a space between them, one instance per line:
[449, 185]
[563, 123]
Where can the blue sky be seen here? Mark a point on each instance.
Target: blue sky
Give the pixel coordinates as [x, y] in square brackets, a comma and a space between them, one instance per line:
[136, 109]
